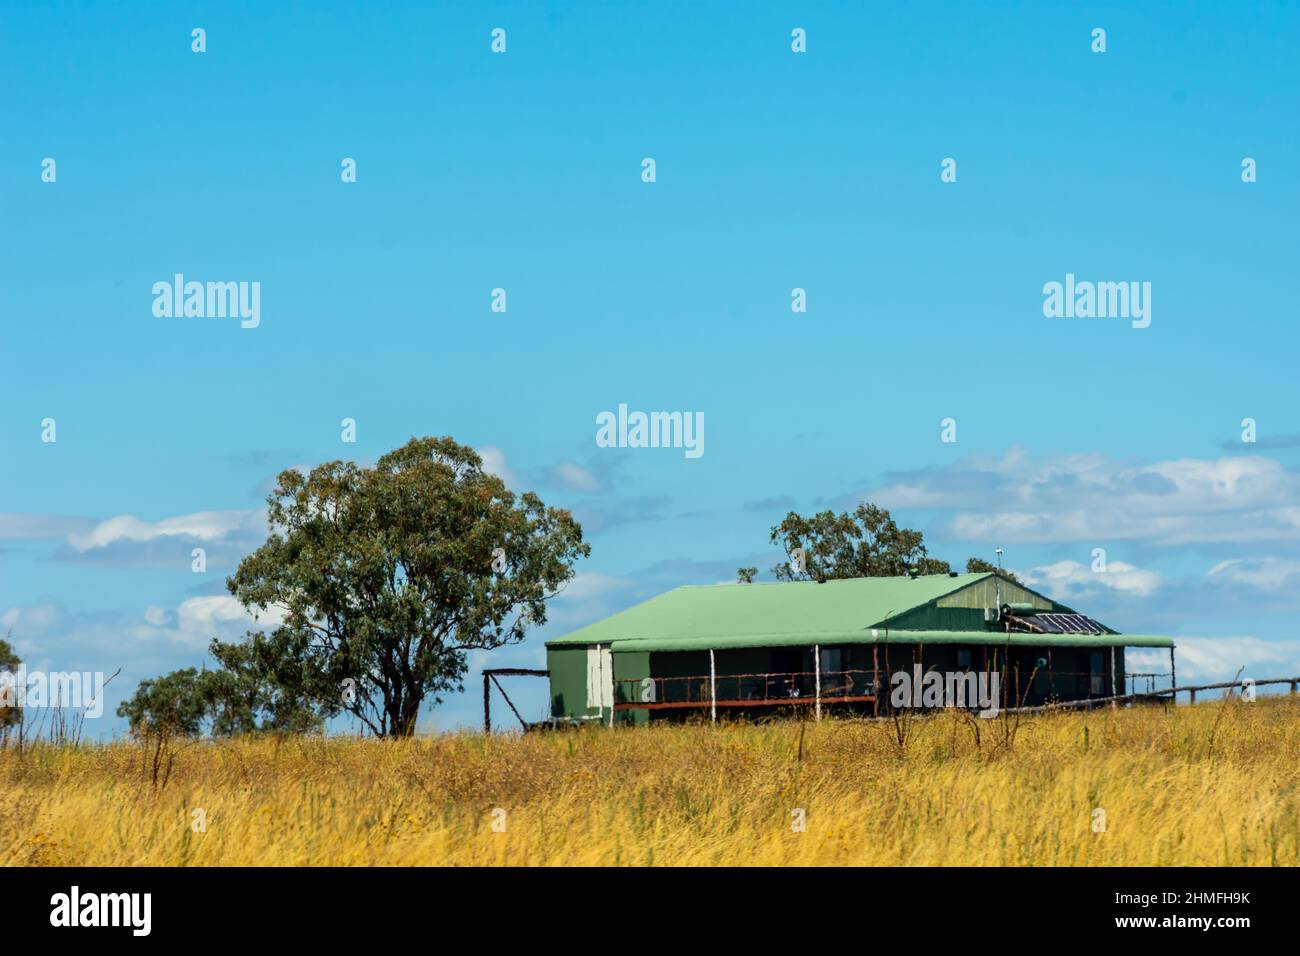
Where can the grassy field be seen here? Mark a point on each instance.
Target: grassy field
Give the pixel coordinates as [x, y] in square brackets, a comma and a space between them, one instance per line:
[1218, 783]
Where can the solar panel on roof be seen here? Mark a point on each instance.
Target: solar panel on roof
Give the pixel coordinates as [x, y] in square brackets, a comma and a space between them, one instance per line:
[1068, 624]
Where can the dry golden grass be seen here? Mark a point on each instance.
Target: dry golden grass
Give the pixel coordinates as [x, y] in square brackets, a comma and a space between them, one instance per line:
[1211, 784]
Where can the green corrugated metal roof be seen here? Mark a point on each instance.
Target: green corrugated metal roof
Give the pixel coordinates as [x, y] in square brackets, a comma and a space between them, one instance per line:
[800, 613]
[790, 607]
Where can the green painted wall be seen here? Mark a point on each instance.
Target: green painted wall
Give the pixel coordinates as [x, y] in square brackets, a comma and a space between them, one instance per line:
[932, 617]
[630, 667]
[986, 593]
[568, 667]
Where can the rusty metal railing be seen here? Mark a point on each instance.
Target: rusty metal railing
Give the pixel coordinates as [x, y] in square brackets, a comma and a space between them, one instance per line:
[756, 689]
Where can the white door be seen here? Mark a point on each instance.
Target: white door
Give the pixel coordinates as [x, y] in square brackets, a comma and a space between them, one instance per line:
[600, 678]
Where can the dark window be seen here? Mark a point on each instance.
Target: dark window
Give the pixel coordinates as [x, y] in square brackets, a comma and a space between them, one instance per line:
[788, 670]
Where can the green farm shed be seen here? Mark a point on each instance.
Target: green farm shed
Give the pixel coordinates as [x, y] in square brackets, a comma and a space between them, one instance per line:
[761, 648]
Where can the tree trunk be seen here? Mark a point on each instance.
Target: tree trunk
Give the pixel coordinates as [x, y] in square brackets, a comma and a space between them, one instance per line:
[402, 711]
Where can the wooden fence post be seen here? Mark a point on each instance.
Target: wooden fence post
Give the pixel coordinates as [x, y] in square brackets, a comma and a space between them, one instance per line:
[713, 689]
[613, 687]
[1113, 692]
[817, 671]
[875, 680]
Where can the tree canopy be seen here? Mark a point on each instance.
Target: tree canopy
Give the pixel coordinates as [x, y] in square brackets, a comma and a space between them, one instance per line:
[9, 664]
[866, 542]
[383, 579]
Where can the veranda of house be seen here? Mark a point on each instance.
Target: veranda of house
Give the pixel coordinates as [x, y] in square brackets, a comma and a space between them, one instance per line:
[837, 646]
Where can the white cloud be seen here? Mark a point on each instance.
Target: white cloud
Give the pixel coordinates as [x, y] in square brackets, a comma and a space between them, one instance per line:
[1268, 574]
[573, 476]
[494, 463]
[196, 621]
[588, 586]
[1068, 579]
[33, 620]
[510, 655]
[202, 526]
[17, 526]
[1015, 499]
[1208, 660]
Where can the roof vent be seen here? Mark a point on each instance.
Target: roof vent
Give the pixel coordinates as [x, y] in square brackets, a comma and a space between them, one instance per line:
[952, 574]
[913, 572]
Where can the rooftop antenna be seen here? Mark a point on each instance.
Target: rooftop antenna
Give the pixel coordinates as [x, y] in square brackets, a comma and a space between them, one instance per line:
[997, 584]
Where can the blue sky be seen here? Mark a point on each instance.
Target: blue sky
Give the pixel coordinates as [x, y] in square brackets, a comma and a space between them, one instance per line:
[775, 170]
